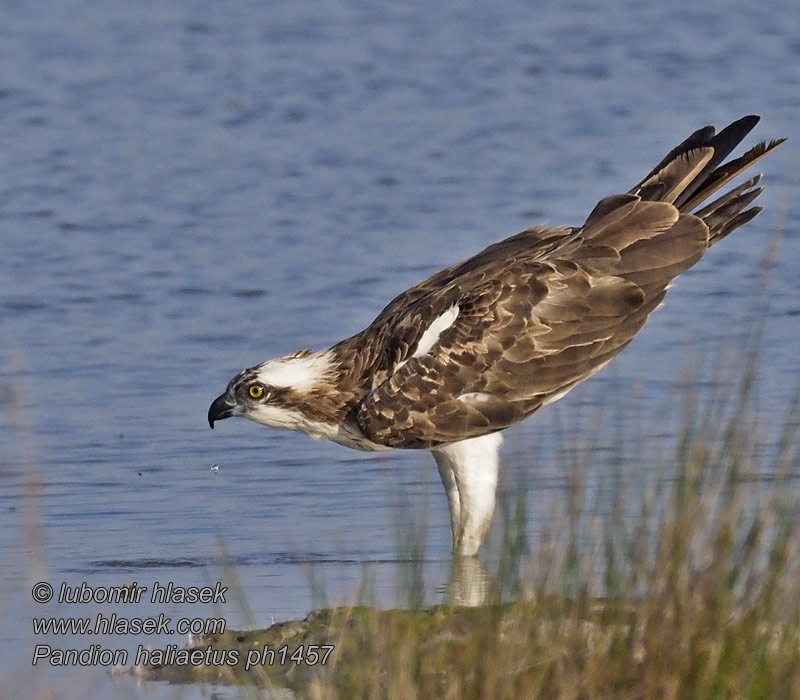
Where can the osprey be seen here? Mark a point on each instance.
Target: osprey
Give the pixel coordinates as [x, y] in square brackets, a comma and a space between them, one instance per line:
[456, 359]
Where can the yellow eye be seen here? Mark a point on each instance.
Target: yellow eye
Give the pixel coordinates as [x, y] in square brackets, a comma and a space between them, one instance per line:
[256, 391]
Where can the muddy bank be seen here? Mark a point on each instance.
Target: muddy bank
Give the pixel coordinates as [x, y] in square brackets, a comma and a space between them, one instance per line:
[340, 641]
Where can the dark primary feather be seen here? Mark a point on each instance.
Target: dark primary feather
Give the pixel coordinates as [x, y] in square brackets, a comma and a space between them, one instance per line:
[541, 311]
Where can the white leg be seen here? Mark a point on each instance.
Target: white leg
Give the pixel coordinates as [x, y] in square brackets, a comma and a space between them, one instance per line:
[469, 473]
[450, 488]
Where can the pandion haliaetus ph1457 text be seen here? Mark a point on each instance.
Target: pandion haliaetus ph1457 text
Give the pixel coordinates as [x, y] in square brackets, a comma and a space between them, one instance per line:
[481, 345]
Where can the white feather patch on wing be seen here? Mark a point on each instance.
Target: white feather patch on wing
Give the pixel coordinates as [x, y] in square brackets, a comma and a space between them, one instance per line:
[474, 397]
[431, 335]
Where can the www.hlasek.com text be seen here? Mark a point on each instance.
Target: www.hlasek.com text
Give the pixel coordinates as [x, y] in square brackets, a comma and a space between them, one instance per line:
[114, 624]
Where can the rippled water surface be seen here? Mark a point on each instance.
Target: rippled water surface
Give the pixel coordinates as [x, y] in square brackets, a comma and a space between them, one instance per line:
[189, 188]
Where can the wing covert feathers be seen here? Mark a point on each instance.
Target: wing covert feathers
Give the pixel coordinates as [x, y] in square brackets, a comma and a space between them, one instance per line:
[543, 310]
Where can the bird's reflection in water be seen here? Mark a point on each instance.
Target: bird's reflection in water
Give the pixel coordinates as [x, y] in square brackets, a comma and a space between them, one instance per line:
[470, 585]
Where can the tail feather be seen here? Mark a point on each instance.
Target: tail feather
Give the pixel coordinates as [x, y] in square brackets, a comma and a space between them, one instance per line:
[696, 168]
[723, 144]
[729, 195]
[726, 172]
[718, 220]
[736, 222]
[655, 232]
[699, 138]
[674, 178]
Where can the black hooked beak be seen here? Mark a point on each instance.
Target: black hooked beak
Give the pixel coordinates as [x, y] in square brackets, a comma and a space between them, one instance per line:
[221, 408]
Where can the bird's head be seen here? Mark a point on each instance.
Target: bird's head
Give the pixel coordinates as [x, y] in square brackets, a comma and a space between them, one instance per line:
[276, 392]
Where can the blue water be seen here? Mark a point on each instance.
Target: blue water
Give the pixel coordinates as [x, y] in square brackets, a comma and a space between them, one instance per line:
[190, 188]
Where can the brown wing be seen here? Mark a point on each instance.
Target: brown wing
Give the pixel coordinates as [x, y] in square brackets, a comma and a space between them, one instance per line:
[390, 340]
[543, 310]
